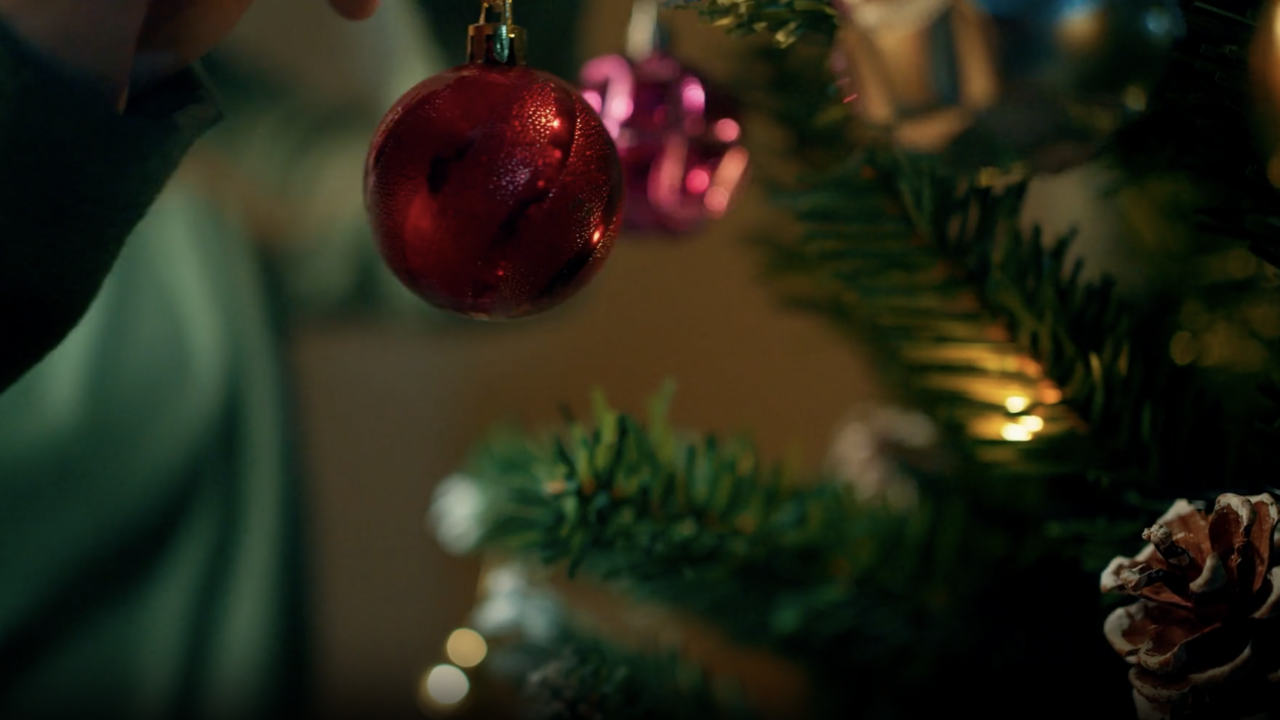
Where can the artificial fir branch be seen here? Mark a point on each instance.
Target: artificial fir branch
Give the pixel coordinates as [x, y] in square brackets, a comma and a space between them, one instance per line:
[802, 570]
[1198, 123]
[964, 299]
[624, 500]
[786, 20]
[1201, 124]
[1002, 551]
[939, 269]
[578, 677]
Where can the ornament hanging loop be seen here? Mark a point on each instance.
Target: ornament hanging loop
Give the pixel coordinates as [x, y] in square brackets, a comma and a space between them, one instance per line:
[502, 8]
[496, 40]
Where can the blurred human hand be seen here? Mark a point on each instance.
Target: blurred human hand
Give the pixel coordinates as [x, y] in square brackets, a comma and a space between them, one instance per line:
[124, 46]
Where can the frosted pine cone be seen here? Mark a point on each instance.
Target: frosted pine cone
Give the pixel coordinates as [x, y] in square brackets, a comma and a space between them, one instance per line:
[1203, 636]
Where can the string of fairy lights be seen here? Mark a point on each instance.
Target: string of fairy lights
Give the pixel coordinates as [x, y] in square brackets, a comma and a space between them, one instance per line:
[1022, 427]
[444, 690]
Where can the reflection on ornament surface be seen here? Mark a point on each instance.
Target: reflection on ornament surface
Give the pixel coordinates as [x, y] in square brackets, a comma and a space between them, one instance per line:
[678, 140]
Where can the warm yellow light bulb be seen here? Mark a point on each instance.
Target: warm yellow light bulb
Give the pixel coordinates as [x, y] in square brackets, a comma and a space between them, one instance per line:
[466, 648]
[1081, 29]
[1017, 403]
[1033, 423]
[1013, 432]
[1135, 98]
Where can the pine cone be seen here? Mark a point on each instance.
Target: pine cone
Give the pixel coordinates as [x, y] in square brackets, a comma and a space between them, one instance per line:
[1204, 636]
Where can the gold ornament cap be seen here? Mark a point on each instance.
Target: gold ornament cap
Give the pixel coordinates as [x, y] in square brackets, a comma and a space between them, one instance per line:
[496, 40]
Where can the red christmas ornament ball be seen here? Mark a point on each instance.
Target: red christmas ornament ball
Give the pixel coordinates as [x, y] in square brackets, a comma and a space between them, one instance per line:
[494, 191]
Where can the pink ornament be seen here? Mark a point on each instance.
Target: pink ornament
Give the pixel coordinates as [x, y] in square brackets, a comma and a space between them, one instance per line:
[678, 139]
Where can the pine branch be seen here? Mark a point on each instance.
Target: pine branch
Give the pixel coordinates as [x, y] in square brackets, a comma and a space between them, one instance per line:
[938, 270]
[974, 314]
[584, 678]
[786, 20]
[1201, 124]
[802, 570]
[620, 499]
[1197, 123]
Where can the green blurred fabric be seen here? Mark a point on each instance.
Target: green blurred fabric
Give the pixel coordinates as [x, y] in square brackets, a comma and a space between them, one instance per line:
[153, 560]
[147, 504]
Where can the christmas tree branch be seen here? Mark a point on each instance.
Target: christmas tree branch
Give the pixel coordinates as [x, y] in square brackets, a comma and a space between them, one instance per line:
[619, 499]
[1045, 381]
[980, 317]
[847, 590]
[579, 677]
[786, 20]
[1202, 124]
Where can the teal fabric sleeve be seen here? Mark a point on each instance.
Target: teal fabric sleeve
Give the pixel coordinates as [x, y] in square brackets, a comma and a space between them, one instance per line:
[75, 178]
[294, 166]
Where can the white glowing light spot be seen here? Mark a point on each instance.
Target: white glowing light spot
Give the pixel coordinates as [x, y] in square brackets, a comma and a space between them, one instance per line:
[1017, 403]
[1014, 432]
[1033, 423]
[445, 685]
[456, 514]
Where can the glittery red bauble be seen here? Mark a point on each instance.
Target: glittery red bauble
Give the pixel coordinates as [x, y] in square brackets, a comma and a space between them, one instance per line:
[679, 139]
[494, 191]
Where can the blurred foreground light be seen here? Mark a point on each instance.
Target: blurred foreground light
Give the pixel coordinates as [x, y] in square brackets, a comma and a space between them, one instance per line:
[466, 648]
[1017, 403]
[1014, 432]
[1135, 98]
[457, 514]
[1081, 26]
[443, 688]
[1034, 423]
